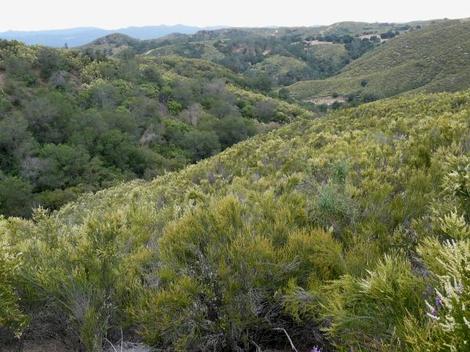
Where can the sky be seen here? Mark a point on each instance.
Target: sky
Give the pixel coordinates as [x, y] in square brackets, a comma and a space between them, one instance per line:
[112, 14]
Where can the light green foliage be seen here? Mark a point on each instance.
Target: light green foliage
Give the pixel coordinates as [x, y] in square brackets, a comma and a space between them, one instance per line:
[220, 267]
[455, 226]
[332, 208]
[86, 276]
[11, 316]
[334, 229]
[457, 182]
[368, 313]
[447, 327]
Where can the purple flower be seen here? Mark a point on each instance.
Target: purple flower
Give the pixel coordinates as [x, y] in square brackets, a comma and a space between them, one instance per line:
[316, 349]
[438, 302]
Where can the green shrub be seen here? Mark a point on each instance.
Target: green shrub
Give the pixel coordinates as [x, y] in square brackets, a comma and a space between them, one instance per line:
[15, 196]
[369, 313]
[11, 316]
[220, 274]
[447, 327]
[286, 230]
[333, 207]
[81, 276]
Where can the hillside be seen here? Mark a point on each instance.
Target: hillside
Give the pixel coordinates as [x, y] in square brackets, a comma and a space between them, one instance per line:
[77, 121]
[274, 56]
[436, 58]
[346, 232]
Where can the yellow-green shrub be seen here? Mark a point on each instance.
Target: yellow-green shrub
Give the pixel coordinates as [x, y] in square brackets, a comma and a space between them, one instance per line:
[221, 269]
[11, 316]
[369, 313]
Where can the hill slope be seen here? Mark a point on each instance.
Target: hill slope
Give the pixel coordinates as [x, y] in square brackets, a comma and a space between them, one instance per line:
[275, 56]
[436, 58]
[74, 122]
[309, 228]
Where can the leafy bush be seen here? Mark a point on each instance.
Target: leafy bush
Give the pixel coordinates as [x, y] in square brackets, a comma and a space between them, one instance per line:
[334, 229]
[369, 313]
[11, 316]
[15, 196]
[219, 274]
[447, 327]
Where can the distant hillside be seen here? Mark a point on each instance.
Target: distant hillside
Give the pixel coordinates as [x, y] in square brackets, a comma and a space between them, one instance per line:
[81, 36]
[270, 57]
[436, 58]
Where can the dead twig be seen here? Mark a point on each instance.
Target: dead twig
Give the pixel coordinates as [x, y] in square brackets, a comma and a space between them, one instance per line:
[258, 349]
[288, 337]
[114, 348]
[122, 339]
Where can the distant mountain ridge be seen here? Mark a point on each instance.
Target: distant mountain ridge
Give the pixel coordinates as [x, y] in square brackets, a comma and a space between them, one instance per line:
[79, 36]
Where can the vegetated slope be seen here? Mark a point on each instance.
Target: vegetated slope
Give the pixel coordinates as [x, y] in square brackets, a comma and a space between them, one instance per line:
[338, 230]
[113, 43]
[74, 122]
[436, 58]
[273, 56]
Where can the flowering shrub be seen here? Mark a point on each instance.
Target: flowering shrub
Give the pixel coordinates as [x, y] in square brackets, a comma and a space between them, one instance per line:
[336, 230]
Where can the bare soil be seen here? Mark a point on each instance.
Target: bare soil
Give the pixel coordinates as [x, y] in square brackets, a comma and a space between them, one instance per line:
[57, 346]
[328, 100]
[37, 346]
[130, 347]
[317, 42]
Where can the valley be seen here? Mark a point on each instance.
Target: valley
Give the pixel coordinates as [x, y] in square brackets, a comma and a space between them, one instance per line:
[238, 189]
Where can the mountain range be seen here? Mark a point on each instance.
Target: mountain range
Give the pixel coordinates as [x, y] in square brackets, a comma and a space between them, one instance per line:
[79, 36]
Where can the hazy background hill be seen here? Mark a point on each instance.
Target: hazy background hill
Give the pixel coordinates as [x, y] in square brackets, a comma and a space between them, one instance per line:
[80, 36]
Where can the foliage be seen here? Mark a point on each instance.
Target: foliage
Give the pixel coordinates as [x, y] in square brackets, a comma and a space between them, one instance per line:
[335, 229]
[368, 313]
[11, 316]
[265, 57]
[15, 197]
[220, 271]
[74, 122]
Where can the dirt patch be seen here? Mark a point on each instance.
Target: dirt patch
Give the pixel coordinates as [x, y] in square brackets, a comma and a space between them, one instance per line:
[57, 346]
[317, 42]
[130, 347]
[328, 100]
[37, 346]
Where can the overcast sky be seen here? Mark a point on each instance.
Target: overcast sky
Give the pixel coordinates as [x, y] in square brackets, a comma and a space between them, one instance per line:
[110, 14]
